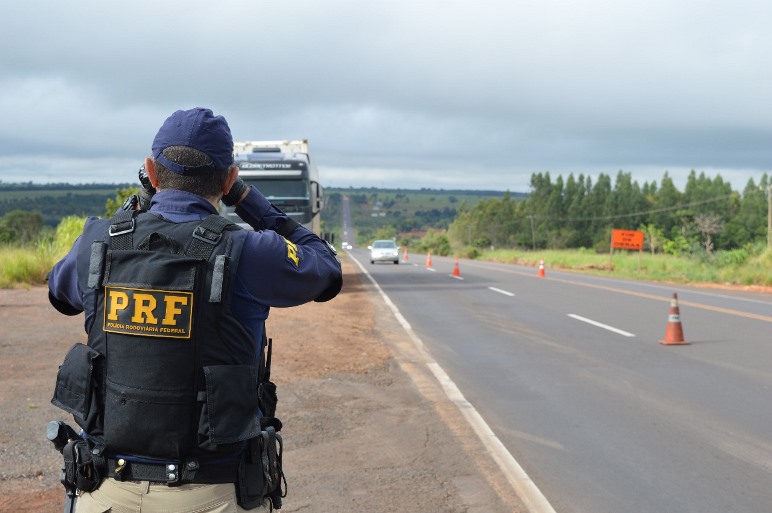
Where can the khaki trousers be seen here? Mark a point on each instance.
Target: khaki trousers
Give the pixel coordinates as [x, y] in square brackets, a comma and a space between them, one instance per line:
[135, 497]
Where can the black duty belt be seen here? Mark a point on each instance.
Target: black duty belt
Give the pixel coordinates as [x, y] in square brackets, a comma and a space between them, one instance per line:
[169, 473]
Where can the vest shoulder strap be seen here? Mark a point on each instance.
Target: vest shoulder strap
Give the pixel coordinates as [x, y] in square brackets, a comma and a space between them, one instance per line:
[121, 230]
[207, 235]
[205, 238]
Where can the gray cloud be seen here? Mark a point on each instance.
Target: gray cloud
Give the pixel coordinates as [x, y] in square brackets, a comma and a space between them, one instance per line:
[396, 94]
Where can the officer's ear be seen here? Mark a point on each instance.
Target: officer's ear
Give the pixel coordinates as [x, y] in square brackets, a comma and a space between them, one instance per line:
[233, 174]
[151, 174]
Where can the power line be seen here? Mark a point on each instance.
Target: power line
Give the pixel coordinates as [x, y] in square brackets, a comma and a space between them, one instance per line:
[634, 214]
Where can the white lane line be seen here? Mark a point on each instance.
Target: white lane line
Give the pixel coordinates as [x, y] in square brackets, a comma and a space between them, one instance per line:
[494, 289]
[432, 269]
[604, 326]
[526, 489]
[456, 277]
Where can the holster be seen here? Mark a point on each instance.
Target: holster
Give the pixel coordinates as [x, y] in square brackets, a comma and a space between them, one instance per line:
[82, 468]
[260, 473]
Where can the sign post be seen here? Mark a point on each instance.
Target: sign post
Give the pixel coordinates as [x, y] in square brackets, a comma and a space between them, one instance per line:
[627, 239]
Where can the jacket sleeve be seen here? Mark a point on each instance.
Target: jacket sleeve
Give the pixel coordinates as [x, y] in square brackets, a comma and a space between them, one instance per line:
[63, 291]
[282, 263]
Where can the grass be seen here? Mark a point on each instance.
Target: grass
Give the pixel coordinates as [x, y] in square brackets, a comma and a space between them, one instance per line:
[752, 269]
[24, 266]
[20, 267]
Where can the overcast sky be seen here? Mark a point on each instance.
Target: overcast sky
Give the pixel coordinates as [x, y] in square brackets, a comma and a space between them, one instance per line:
[401, 93]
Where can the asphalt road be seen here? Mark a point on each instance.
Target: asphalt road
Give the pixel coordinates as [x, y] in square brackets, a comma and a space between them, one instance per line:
[568, 372]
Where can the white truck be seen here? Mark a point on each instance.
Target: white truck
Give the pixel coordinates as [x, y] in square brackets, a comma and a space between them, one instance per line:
[286, 174]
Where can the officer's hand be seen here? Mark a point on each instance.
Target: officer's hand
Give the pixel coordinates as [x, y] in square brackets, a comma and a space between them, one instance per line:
[146, 190]
[236, 193]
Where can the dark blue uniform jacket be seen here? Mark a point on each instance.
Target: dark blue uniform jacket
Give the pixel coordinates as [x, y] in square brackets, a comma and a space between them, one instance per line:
[271, 272]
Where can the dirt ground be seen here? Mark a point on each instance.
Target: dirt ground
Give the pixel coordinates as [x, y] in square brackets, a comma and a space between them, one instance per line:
[366, 427]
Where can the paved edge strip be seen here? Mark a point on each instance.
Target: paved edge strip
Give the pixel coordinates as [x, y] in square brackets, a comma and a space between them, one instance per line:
[524, 486]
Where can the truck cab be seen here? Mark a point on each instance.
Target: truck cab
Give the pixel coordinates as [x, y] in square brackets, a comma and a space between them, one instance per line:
[285, 174]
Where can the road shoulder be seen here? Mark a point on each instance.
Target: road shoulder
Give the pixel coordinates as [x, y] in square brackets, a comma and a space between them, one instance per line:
[361, 434]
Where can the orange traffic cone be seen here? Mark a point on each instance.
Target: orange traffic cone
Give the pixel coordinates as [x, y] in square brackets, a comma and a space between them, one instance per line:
[674, 333]
[404, 255]
[429, 259]
[456, 272]
[541, 268]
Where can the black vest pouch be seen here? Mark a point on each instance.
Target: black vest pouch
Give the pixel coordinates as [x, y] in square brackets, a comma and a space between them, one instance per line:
[230, 410]
[78, 387]
[151, 346]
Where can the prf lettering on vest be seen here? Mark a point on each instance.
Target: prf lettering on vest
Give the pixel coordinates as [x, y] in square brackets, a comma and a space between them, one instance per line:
[149, 313]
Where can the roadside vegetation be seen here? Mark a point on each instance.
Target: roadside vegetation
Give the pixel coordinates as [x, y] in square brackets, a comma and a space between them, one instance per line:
[745, 267]
[28, 260]
[706, 234]
[57, 200]
[29, 247]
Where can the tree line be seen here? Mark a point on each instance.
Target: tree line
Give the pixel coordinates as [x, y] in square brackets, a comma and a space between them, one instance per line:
[55, 201]
[575, 212]
[578, 212]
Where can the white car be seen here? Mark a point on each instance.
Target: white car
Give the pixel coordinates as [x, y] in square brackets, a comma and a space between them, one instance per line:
[384, 251]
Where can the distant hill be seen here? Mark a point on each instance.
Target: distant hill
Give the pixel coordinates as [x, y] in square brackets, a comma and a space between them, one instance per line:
[408, 211]
[57, 200]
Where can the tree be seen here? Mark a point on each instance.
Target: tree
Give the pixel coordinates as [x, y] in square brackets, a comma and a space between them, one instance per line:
[597, 201]
[626, 199]
[121, 195]
[753, 209]
[556, 212]
[708, 225]
[666, 197]
[18, 226]
[653, 236]
[435, 242]
[385, 232]
[538, 205]
[576, 192]
[460, 230]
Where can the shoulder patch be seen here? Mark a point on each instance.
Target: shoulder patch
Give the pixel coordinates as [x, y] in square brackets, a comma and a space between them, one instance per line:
[292, 253]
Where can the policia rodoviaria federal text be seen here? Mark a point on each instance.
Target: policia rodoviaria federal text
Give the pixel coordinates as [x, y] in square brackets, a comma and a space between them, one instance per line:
[172, 392]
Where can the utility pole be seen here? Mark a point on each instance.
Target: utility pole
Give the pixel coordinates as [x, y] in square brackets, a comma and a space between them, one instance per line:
[533, 234]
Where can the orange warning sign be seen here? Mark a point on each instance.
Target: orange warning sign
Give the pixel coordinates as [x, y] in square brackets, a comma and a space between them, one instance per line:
[627, 239]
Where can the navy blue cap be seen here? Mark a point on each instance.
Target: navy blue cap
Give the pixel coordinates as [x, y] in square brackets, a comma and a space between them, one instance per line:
[199, 129]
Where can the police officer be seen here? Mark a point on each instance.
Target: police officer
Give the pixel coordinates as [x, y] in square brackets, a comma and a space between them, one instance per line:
[175, 301]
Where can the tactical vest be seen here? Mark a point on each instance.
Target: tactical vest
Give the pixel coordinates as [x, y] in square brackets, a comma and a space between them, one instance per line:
[168, 371]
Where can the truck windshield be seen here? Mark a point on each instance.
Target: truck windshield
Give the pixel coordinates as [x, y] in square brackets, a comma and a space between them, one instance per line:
[291, 196]
[281, 189]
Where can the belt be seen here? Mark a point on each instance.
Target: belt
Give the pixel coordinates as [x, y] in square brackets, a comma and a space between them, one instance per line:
[168, 473]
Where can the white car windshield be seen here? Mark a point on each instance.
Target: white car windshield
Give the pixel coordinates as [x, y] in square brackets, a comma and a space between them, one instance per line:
[384, 244]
